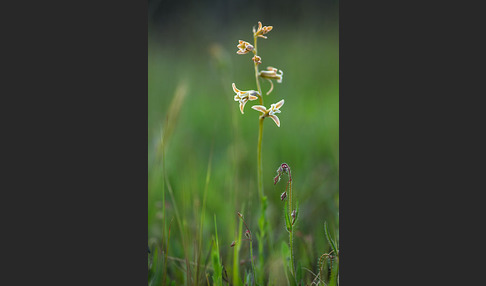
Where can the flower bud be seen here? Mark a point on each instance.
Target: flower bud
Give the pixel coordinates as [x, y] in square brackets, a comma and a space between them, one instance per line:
[283, 196]
[247, 233]
[285, 168]
[257, 59]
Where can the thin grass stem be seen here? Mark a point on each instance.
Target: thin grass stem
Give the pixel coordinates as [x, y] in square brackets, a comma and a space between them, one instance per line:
[252, 263]
[291, 232]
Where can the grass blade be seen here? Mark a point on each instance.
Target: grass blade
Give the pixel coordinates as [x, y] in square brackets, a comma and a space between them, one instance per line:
[218, 269]
[329, 239]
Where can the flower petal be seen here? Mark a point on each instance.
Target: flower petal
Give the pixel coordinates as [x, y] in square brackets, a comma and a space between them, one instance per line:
[275, 118]
[242, 105]
[252, 97]
[235, 89]
[280, 76]
[271, 87]
[260, 108]
[279, 104]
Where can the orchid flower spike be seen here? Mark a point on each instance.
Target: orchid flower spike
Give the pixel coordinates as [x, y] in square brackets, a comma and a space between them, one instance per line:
[274, 108]
[243, 96]
[244, 47]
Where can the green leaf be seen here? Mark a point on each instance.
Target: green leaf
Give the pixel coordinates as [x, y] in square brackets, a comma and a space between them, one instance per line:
[291, 277]
[157, 265]
[296, 210]
[217, 266]
[298, 275]
[333, 279]
[248, 278]
[329, 239]
[237, 281]
[262, 223]
[286, 254]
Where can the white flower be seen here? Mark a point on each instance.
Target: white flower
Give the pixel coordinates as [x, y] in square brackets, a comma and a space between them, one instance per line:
[244, 47]
[271, 73]
[274, 108]
[243, 96]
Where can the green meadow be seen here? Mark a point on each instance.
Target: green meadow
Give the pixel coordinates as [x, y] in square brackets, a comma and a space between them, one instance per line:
[202, 158]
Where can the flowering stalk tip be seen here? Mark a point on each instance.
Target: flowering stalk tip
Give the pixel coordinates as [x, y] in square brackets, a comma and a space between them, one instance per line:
[262, 30]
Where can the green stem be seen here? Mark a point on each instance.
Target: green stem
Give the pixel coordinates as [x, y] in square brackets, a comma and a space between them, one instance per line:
[260, 130]
[252, 264]
[262, 221]
[259, 157]
[290, 193]
[260, 167]
[291, 251]
[256, 70]
[291, 239]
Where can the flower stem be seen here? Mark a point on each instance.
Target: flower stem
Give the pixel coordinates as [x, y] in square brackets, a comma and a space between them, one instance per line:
[260, 129]
[262, 220]
[290, 191]
[259, 157]
[255, 51]
[289, 212]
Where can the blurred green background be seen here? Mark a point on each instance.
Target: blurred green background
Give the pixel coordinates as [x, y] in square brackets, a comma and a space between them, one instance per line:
[198, 139]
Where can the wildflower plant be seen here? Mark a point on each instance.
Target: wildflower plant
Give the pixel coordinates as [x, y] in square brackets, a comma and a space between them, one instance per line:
[243, 97]
[291, 213]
